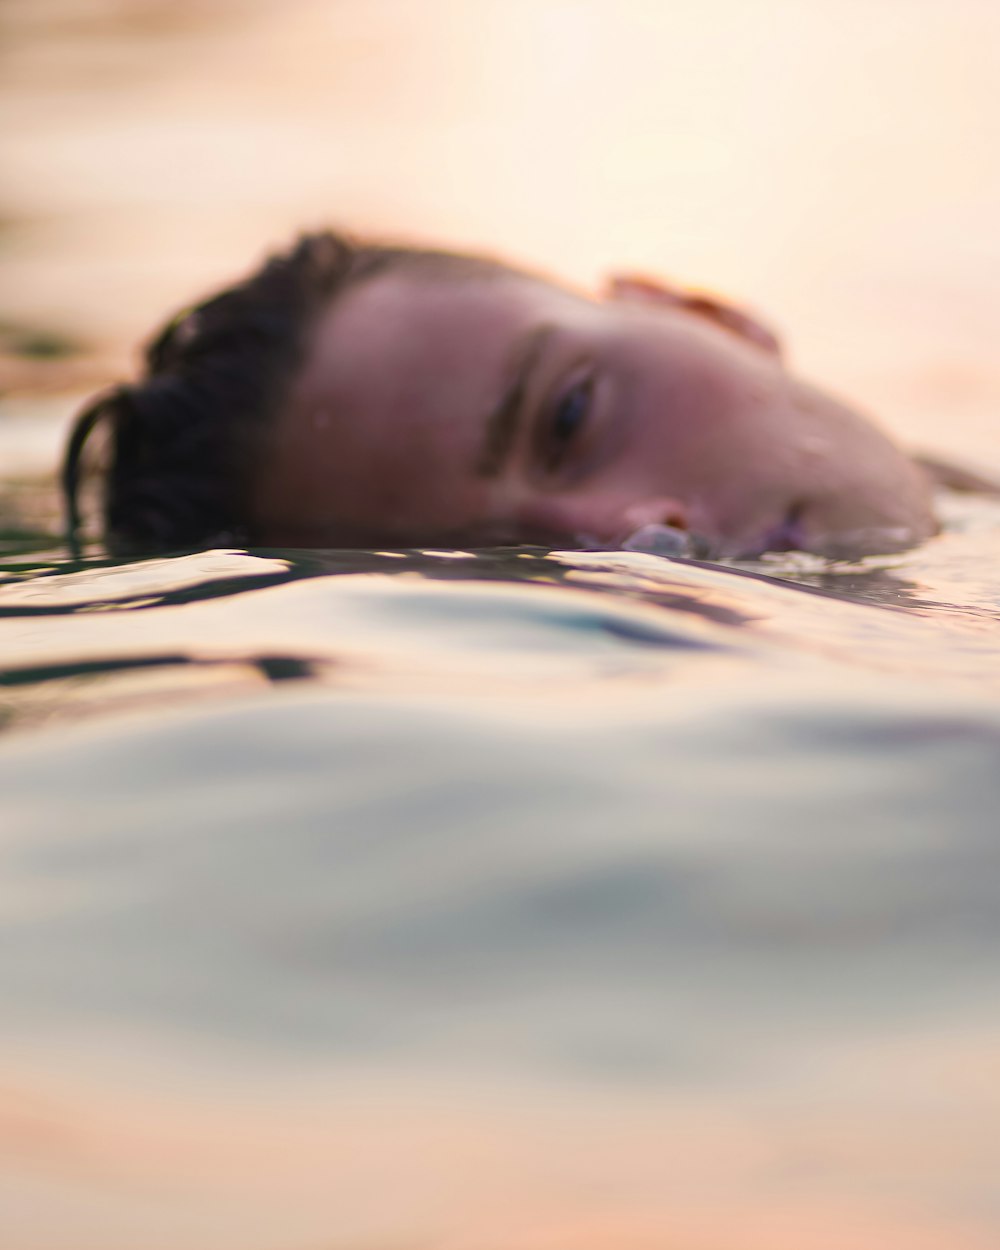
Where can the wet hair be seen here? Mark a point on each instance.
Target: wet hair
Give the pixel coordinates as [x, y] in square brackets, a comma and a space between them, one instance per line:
[185, 438]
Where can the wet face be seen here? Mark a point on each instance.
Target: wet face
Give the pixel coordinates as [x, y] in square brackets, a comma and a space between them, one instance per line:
[498, 408]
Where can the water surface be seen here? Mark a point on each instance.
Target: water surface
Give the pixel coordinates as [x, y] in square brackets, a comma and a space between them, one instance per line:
[573, 898]
[503, 900]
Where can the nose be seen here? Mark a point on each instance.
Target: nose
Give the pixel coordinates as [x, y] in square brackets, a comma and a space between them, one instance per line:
[660, 511]
[658, 526]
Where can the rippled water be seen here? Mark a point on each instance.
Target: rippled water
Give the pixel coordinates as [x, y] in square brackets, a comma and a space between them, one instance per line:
[511, 898]
[503, 900]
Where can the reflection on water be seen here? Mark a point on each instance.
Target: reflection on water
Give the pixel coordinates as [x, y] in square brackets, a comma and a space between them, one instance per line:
[369, 618]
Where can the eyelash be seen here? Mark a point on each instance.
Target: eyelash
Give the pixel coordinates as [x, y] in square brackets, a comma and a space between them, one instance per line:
[556, 442]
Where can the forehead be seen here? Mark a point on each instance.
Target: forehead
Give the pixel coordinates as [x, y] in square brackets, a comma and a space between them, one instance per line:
[386, 421]
[407, 347]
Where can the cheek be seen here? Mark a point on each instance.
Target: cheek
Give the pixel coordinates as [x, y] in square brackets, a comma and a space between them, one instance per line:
[588, 517]
[688, 390]
[703, 427]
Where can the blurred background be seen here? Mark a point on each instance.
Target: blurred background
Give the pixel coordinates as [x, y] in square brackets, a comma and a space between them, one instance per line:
[831, 162]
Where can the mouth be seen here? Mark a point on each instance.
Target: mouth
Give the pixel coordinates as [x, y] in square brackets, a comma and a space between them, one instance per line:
[789, 534]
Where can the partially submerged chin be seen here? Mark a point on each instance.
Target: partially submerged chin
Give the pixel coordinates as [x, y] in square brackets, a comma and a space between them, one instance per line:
[877, 517]
[867, 541]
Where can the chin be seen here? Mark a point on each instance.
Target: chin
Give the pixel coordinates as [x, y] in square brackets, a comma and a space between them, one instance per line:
[798, 531]
[872, 540]
[906, 520]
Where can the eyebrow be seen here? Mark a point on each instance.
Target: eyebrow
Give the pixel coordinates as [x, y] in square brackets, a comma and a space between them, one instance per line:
[503, 422]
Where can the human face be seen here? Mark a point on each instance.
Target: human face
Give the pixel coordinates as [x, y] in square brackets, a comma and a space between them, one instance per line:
[495, 408]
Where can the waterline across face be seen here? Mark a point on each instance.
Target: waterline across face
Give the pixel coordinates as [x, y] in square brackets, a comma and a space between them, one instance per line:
[498, 408]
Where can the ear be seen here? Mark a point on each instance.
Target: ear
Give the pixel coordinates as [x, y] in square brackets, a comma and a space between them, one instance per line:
[636, 289]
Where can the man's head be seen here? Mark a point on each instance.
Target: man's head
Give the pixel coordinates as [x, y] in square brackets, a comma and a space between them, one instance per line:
[348, 396]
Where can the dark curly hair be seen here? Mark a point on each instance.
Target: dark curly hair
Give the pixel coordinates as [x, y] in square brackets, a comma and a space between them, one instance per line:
[185, 437]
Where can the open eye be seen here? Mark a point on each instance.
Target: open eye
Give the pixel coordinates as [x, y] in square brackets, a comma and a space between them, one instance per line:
[566, 421]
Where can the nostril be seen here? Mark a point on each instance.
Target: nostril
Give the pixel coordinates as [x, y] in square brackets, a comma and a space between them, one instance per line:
[676, 519]
[662, 510]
